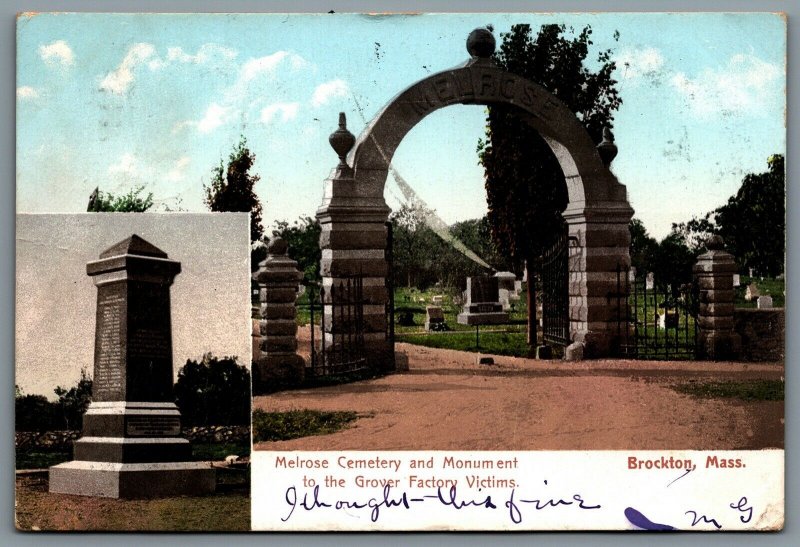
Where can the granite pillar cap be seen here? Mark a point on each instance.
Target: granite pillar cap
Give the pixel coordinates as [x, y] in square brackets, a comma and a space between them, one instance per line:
[137, 255]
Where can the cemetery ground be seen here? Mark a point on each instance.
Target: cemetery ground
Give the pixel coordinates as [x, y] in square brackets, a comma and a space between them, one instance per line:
[228, 509]
[447, 401]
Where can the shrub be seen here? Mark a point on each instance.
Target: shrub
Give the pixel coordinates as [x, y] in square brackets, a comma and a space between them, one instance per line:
[214, 391]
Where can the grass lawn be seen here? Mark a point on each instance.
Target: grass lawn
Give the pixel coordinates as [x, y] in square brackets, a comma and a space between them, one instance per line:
[498, 343]
[42, 459]
[282, 426]
[767, 287]
[38, 509]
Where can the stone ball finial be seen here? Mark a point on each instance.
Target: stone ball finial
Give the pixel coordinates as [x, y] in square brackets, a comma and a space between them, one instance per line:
[607, 149]
[481, 43]
[715, 243]
[342, 140]
[277, 246]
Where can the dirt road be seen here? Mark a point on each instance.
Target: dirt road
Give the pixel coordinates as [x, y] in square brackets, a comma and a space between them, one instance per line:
[446, 401]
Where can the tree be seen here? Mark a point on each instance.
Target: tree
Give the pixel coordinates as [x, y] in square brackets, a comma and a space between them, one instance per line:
[525, 186]
[214, 391]
[752, 222]
[73, 402]
[132, 202]
[412, 244]
[232, 188]
[302, 237]
[643, 247]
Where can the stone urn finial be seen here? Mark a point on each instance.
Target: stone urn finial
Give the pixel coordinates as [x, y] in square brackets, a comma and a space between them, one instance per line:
[342, 140]
[715, 243]
[481, 43]
[607, 149]
[277, 246]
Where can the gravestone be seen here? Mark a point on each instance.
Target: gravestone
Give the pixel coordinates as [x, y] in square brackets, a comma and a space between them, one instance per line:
[650, 281]
[434, 318]
[752, 292]
[131, 445]
[736, 280]
[482, 303]
[505, 285]
[751, 272]
[632, 274]
[437, 300]
[764, 302]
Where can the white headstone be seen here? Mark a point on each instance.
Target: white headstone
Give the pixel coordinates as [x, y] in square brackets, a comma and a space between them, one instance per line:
[736, 281]
[752, 292]
[436, 300]
[650, 281]
[632, 274]
[751, 272]
[764, 302]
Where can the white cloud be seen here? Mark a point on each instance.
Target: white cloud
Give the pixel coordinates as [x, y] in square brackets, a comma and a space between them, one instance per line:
[178, 171]
[215, 116]
[745, 85]
[269, 63]
[120, 80]
[645, 63]
[27, 92]
[125, 166]
[329, 90]
[57, 53]
[204, 53]
[287, 111]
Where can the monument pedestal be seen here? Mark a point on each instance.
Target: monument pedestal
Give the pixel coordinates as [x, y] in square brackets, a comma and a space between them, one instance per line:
[131, 445]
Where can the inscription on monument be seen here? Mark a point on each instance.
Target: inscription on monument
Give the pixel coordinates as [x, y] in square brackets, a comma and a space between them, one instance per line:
[109, 364]
[153, 426]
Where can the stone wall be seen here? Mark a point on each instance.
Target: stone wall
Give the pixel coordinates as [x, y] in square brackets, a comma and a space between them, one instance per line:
[762, 332]
[62, 440]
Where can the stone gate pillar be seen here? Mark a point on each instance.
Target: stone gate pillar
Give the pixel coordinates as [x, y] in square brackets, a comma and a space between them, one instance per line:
[131, 446]
[353, 242]
[601, 251]
[278, 364]
[714, 272]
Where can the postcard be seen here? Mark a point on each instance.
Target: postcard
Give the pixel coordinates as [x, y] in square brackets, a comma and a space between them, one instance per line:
[401, 272]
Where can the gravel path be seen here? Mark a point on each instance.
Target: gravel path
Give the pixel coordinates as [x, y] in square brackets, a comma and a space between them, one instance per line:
[446, 401]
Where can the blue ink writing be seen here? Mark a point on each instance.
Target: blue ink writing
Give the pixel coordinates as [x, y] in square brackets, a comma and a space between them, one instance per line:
[702, 518]
[741, 505]
[515, 514]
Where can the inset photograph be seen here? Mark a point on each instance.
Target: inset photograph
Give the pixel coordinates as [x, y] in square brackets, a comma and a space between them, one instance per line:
[132, 373]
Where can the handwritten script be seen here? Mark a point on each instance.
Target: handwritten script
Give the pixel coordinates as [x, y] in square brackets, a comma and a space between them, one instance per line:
[314, 499]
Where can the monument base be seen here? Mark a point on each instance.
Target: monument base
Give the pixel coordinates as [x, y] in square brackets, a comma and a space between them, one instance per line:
[132, 480]
[493, 318]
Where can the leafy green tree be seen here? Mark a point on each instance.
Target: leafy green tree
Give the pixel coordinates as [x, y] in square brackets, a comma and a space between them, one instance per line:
[233, 188]
[73, 402]
[132, 202]
[525, 186]
[34, 413]
[752, 222]
[413, 242]
[214, 391]
[643, 247]
[302, 237]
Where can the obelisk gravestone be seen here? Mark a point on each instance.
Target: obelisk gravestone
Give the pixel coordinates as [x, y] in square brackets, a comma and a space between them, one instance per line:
[131, 445]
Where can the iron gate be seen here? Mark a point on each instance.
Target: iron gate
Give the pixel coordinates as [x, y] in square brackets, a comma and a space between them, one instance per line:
[340, 351]
[656, 320]
[555, 291]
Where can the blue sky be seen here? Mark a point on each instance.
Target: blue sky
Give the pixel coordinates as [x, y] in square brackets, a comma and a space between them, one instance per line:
[115, 101]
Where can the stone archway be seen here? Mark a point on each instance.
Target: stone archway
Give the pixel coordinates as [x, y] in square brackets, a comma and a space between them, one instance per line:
[354, 212]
